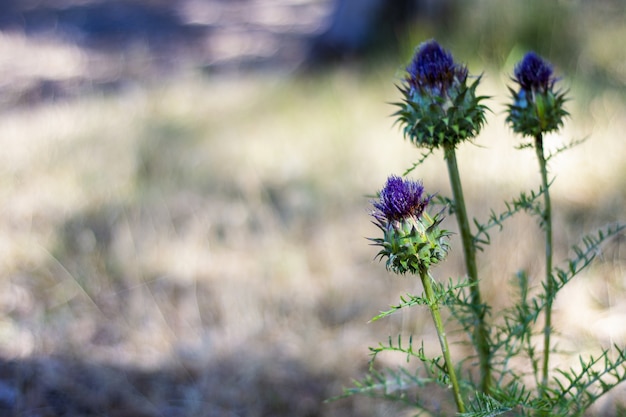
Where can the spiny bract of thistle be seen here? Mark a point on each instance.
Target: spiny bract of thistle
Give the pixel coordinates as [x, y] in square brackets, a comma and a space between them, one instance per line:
[438, 108]
[412, 241]
[537, 106]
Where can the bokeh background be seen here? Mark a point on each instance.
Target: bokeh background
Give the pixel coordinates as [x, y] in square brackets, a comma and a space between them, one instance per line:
[184, 194]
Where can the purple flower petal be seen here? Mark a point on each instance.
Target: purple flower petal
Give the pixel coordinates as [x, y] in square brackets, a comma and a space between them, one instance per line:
[400, 199]
[534, 73]
[433, 69]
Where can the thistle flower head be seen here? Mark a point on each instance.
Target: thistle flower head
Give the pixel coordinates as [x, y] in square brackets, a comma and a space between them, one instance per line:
[412, 240]
[537, 106]
[433, 69]
[532, 73]
[400, 199]
[438, 107]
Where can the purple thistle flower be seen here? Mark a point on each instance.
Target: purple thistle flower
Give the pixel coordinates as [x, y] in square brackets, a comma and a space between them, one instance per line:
[438, 108]
[433, 69]
[412, 241]
[534, 73]
[400, 199]
[537, 106]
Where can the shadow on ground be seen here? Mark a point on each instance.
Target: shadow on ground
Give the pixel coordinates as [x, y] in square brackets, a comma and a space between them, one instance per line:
[233, 386]
[100, 24]
[108, 46]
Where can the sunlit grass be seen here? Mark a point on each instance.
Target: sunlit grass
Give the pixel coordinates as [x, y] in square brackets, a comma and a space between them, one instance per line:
[204, 217]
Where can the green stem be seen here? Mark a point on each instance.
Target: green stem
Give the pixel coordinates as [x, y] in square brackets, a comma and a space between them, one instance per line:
[433, 304]
[469, 250]
[547, 224]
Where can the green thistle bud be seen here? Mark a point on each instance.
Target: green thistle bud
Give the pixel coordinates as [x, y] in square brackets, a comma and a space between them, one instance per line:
[439, 109]
[537, 106]
[412, 241]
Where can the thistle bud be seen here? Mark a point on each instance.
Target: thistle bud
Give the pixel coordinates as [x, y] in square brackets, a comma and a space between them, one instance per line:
[412, 241]
[438, 107]
[537, 106]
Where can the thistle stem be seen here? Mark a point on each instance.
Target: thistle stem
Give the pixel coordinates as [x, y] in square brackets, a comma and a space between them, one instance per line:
[547, 224]
[433, 304]
[469, 251]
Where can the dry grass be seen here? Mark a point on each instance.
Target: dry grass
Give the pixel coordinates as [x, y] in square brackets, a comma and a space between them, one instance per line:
[197, 247]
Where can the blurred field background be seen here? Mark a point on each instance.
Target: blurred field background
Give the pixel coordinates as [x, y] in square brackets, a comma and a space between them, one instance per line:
[184, 207]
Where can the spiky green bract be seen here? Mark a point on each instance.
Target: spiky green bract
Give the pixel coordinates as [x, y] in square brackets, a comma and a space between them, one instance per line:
[412, 244]
[439, 108]
[532, 114]
[412, 240]
[537, 106]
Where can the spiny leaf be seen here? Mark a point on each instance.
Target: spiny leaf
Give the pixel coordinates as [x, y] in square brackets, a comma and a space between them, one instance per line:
[517, 320]
[419, 162]
[444, 294]
[524, 202]
[585, 386]
[485, 406]
[573, 143]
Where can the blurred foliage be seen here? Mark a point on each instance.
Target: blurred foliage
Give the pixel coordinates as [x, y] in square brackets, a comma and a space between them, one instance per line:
[579, 37]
